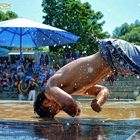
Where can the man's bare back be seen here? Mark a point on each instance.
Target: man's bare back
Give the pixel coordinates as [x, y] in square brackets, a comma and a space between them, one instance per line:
[80, 74]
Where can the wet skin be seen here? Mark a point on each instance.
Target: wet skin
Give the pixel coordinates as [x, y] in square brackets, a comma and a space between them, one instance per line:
[53, 106]
[78, 77]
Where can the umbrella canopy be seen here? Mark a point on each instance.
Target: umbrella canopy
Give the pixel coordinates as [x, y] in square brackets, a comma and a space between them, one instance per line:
[4, 51]
[24, 32]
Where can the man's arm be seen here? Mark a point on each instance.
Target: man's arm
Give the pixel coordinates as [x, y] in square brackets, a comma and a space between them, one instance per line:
[64, 100]
[101, 94]
[35, 84]
[19, 89]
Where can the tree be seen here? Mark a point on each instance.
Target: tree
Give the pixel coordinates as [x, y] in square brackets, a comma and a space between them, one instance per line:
[130, 33]
[8, 15]
[122, 30]
[2, 16]
[133, 36]
[77, 18]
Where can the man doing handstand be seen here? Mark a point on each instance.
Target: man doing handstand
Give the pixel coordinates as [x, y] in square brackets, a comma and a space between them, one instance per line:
[82, 76]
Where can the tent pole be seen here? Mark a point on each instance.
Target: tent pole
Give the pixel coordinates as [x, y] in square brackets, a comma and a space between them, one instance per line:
[20, 46]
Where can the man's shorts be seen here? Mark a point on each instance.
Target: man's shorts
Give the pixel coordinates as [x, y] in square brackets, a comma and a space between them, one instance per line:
[122, 57]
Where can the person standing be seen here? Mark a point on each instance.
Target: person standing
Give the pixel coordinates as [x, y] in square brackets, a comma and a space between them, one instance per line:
[32, 90]
[20, 90]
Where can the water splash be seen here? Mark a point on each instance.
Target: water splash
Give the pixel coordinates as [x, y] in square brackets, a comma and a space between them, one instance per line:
[68, 124]
[90, 69]
[138, 76]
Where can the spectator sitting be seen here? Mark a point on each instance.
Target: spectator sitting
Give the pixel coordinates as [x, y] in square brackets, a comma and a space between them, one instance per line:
[42, 76]
[29, 69]
[47, 59]
[75, 55]
[56, 66]
[5, 81]
[13, 65]
[20, 72]
[68, 56]
[5, 65]
[37, 68]
[14, 78]
[28, 78]
[45, 83]
[42, 59]
[1, 67]
[52, 71]
[110, 79]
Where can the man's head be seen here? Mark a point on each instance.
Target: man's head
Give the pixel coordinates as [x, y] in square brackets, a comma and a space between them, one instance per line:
[45, 107]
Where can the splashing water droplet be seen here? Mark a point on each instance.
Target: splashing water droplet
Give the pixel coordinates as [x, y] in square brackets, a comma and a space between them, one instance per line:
[90, 69]
[107, 75]
[79, 104]
[121, 62]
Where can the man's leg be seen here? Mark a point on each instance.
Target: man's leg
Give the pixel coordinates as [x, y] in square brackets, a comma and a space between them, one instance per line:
[20, 96]
[34, 95]
[101, 94]
[30, 96]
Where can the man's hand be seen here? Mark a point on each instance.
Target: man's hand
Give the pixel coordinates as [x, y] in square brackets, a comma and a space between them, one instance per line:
[78, 111]
[95, 106]
[72, 110]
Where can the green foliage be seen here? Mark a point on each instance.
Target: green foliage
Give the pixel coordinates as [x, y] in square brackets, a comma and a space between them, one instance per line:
[77, 18]
[43, 49]
[133, 36]
[8, 15]
[2, 16]
[130, 33]
[122, 30]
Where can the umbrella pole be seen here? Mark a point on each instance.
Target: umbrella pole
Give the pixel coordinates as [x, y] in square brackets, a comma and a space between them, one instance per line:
[20, 62]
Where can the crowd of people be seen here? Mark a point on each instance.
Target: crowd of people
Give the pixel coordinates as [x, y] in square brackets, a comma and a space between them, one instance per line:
[22, 78]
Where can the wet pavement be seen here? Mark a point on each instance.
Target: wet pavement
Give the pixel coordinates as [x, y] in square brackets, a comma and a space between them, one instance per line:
[117, 121]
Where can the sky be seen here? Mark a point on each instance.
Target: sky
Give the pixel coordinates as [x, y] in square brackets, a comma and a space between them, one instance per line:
[116, 12]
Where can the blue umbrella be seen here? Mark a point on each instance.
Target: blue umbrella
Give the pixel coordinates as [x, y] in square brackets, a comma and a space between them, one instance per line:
[21, 32]
[4, 51]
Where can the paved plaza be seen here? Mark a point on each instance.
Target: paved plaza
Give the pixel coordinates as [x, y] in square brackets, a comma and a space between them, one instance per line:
[117, 121]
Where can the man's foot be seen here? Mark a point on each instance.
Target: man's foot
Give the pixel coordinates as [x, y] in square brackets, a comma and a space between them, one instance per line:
[95, 106]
